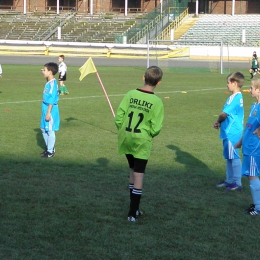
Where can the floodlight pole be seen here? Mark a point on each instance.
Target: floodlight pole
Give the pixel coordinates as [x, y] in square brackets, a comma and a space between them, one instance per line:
[148, 53]
[58, 6]
[221, 57]
[126, 7]
[24, 7]
[91, 7]
[233, 7]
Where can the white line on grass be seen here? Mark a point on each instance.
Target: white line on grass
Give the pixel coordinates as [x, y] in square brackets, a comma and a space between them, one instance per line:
[113, 95]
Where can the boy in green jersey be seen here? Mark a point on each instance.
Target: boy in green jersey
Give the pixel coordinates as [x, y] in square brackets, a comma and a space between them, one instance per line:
[138, 120]
[254, 67]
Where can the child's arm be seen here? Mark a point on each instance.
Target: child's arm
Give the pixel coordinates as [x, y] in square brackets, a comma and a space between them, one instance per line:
[238, 144]
[221, 118]
[257, 131]
[48, 114]
[157, 120]
[120, 114]
[119, 118]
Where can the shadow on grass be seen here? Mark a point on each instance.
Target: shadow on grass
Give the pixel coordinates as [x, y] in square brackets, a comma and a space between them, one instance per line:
[64, 210]
[189, 161]
[71, 119]
[39, 138]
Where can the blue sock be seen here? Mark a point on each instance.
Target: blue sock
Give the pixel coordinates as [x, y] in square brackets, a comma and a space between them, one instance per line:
[51, 141]
[255, 191]
[229, 171]
[45, 137]
[237, 171]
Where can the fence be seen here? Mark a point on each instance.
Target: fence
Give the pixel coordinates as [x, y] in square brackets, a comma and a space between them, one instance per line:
[150, 25]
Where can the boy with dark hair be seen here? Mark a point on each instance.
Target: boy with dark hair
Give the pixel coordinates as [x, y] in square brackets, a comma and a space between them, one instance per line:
[139, 119]
[251, 149]
[230, 123]
[50, 120]
[62, 75]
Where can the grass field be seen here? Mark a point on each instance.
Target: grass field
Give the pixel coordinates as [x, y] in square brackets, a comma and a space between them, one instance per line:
[74, 205]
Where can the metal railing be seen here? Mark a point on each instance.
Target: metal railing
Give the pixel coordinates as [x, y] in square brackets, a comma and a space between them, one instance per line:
[61, 8]
[129, 10]
[175, 24]
[151, 25]
[144, 26]
[54, 27]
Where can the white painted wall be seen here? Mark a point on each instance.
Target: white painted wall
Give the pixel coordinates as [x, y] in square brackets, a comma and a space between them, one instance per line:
[233, 53]
[196, 52]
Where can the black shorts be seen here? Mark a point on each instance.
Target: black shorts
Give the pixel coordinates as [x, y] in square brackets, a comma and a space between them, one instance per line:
[254, 69]
[138, 165]
[62, 78]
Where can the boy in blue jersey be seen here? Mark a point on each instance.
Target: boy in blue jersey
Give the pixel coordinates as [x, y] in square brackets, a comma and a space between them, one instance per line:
[230, 122]
[50, 120]
[138, 120]
[251, 149]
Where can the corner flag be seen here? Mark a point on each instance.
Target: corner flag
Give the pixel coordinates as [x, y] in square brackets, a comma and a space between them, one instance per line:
[87, 68]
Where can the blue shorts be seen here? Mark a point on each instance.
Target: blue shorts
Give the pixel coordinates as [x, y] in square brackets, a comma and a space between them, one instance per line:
[229, 152]
[251, 165]
[54, 123]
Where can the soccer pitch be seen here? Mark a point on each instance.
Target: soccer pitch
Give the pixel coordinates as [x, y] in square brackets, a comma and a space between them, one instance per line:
[74, 205]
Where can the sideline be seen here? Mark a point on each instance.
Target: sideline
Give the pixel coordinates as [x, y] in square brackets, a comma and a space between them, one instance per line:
[112, 95]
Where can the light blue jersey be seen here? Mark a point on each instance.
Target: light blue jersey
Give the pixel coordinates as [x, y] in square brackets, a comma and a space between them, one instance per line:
[50, 97]
[251, 142]
[50, 93]
[232, 127]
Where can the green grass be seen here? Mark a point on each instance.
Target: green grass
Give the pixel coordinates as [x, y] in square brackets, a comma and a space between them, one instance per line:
[74, 206]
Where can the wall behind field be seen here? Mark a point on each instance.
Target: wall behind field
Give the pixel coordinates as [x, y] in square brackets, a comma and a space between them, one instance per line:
[241, 7]
[13, 47]
[203, 52]
[229, 53]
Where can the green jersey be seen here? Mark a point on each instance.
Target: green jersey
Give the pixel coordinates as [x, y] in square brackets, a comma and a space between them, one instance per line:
[254, 63]
[138, 119]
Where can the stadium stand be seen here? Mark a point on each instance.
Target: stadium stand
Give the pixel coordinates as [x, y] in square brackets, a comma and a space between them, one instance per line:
[75, 27]
[104, 29]
[18, 26]
[227, 28]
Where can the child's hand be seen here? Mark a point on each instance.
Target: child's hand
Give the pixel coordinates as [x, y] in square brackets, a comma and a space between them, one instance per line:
[257, 131]
[238, 144]
[216, 125]
[47, 117]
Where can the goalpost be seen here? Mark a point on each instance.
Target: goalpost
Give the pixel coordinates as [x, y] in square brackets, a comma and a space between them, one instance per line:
[161, 52]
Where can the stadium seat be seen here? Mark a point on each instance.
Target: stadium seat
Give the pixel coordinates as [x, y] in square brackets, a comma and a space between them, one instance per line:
[227, 28]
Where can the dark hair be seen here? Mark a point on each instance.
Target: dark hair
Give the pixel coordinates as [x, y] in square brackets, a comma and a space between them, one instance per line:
[255, 55]
[236, 77]
[62, 56]
[52, 66]
[153, 75]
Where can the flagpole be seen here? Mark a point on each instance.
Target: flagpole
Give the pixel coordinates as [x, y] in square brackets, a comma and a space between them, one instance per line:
[89, 67]
[111, 108]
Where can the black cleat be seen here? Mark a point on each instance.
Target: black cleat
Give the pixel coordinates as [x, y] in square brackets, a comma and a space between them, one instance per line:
[47, 155]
